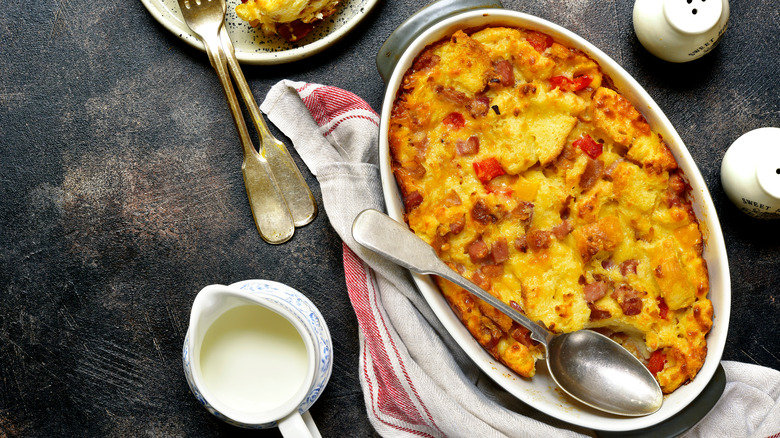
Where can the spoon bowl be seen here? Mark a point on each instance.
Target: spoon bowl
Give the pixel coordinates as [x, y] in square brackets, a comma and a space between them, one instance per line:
[585, 364]
[602, 374]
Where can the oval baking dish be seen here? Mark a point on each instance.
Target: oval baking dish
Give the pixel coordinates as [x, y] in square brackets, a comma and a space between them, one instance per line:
[395, 59]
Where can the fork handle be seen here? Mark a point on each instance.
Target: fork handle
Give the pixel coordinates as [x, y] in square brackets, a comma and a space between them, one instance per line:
[269, 208]
[300, 200]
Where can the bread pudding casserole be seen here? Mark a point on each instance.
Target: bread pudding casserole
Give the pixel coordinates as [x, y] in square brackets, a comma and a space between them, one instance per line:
[290, 19]
[531, 175]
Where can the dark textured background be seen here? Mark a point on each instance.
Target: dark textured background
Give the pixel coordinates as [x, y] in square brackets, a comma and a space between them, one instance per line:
[122, 197]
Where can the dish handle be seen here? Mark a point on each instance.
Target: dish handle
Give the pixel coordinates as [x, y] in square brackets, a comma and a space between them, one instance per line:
[406, 32]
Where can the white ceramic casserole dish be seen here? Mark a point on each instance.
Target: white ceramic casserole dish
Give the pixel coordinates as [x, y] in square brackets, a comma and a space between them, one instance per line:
[540, 391]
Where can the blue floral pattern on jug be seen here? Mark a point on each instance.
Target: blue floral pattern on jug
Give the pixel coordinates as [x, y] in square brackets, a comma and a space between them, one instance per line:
[199, 396]
[311, 318]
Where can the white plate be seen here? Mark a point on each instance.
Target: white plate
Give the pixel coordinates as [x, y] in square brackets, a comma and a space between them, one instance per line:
[252, 45]
[540, 391]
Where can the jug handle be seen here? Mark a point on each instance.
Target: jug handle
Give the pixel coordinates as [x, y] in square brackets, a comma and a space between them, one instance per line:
[298, 425]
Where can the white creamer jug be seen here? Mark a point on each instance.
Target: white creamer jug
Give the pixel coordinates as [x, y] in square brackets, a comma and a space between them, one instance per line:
[680, 30]
[257, 355]
[750, 173]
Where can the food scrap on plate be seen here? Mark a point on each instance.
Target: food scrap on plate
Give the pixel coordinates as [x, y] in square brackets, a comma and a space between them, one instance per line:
[291, 20]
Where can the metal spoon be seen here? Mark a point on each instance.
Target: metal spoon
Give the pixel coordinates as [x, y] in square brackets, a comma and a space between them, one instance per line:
[585, 364]
[300, 200]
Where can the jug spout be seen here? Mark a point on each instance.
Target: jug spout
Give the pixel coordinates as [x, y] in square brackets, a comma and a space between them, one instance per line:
[213, 301]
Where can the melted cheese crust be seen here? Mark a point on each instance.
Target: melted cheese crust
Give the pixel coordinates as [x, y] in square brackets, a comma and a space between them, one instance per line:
[270, 14]
[534, 178]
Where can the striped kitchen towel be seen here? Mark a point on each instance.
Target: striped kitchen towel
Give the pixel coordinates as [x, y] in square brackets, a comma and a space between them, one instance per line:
[415, 380]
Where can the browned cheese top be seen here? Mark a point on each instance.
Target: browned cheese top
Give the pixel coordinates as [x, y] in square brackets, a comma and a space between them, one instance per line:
[530, 175]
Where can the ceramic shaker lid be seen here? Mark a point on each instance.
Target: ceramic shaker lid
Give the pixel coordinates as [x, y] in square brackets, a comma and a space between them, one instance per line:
[680, 30]
[692, 16]
[750, 173]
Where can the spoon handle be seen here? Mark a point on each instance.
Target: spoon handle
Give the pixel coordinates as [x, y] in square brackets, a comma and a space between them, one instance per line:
[300, 201]
[395, 242]
[269, 208]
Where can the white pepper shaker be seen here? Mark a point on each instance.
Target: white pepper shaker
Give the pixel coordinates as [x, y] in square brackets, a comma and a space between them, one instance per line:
[680, 30]
[750, 173]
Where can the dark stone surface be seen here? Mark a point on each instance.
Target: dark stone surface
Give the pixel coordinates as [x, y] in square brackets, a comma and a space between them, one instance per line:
[122, 197]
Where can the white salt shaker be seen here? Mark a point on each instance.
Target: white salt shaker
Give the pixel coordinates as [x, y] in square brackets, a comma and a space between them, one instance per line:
[750, 173]
[680, 30]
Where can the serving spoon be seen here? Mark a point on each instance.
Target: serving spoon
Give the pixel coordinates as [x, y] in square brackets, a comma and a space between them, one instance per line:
[587, 365]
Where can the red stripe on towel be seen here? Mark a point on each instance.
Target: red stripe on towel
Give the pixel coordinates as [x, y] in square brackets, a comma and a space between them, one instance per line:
[392, 399]
[327, 103]
[395, 401]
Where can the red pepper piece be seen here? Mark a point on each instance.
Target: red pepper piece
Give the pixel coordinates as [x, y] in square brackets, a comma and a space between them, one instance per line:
[656, 362]
[581, 82]
[663, 309]
[488, 169]
[539, 40]
[561, 82]
[566, 84]
[455, 120]
[590, 147]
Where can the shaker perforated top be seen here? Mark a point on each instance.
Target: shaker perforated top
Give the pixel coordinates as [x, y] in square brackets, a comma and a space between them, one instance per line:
[693, 16]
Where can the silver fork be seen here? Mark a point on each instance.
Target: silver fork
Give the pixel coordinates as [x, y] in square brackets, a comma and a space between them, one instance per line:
[278, 195]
